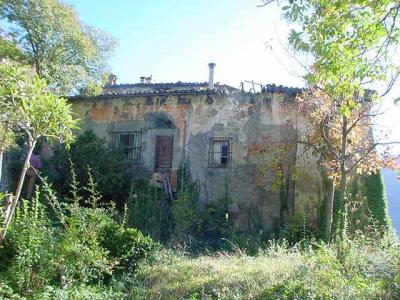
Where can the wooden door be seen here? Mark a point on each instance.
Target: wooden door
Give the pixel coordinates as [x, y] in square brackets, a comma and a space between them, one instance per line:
[164, 152]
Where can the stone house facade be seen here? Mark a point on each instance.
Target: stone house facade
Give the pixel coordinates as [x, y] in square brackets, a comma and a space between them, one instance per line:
[230, 137]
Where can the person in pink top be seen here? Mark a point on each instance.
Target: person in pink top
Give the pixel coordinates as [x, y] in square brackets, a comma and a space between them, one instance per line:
[35, 161]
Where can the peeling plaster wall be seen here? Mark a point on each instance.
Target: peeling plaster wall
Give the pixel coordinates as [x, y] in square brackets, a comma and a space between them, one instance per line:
[309, 186]
[252, 121]
[104, 117]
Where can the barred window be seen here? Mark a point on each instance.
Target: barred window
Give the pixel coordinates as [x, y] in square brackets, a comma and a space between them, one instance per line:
[131, 145]
[220, 153]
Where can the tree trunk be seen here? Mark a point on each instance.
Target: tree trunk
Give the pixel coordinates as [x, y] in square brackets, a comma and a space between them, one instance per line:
[343, 204]
[343, 179]
[1, 165]
[25, 168]
[329, 211]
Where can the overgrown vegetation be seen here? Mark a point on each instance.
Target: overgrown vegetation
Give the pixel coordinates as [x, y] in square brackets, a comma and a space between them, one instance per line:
[149, 210]
[106, 164]
[366, 269]
[88, 151]
[180, 219]
[375, 193]
[72, 243]
[57, 248]
[60, 247]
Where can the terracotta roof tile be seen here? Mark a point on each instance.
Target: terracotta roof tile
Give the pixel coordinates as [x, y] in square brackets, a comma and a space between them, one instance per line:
[178, 88]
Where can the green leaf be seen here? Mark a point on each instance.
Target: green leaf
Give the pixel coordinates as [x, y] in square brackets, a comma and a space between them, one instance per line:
[62, 50]
[346, 111]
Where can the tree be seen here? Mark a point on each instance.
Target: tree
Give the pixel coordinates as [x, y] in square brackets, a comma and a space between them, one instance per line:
[9, 52]
[346, 151]
[9, 79]
[70, 55]
[27, 105]
[352, 45]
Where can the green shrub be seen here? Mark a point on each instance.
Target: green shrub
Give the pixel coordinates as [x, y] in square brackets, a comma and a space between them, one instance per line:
[298, 229]
[39, 254]
[78, 247]
[28, 251]
[127, 246]
[6, 292]
[185, 208]
[214, 224]
[81, 292]
[150, 210]
[107, 166]
[186, 216]
[81, 258]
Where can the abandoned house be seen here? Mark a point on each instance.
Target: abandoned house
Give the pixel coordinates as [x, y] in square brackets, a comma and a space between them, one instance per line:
[230, 137]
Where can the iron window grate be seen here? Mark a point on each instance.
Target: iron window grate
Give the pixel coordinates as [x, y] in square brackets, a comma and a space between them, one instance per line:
[131, 145]
[220, 153]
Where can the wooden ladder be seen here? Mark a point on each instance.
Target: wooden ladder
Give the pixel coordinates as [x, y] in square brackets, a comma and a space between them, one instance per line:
[167, 186]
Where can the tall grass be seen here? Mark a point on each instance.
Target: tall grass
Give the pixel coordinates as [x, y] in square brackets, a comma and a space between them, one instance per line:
[360, 269]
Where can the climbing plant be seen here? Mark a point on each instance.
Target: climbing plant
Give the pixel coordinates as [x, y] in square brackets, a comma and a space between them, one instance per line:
[375, 193]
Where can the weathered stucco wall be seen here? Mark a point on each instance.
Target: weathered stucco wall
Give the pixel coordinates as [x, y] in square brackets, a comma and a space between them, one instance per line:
[255, 123]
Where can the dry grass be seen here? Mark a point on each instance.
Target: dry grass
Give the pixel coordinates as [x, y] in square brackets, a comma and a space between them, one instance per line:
[364, 272]
[222, 276]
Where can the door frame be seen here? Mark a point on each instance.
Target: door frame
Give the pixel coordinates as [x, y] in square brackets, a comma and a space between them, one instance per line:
[158, 136]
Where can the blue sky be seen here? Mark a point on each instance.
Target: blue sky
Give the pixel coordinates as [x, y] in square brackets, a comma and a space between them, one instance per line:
[175, 40]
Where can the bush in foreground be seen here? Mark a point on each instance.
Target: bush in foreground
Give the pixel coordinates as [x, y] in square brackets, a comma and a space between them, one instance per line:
[67, 250]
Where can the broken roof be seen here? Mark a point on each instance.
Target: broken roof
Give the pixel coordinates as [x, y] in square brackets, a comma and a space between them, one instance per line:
[162, 87]
[273, 88]
[178, 88]
[151, 89]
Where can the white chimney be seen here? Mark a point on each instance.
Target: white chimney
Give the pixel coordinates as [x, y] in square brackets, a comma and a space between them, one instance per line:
[148, 79]
[211, 67]
[112, 79]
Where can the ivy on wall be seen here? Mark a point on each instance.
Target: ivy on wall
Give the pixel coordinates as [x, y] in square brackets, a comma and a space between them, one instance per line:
[375, 193]
[368, 203]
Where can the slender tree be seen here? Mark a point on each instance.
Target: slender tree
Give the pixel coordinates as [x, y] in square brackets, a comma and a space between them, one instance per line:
[27, 105]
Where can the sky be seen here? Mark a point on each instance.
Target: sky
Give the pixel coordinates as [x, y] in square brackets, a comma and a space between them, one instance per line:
[175, 40]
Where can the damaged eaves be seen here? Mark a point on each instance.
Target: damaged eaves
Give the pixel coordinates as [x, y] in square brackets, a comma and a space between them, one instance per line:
[122, 90]
[157, 85]
[273, 88]
[136, 87]
[153, 93]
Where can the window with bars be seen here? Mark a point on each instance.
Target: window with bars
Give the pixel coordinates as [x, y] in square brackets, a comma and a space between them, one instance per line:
[131, 145]
[220, 153]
